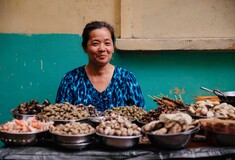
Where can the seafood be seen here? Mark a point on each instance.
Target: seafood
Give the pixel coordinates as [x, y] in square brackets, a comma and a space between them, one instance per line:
[171, 124]
[72, 128]
[118, 126]
[33, 107]
[127, 111]
[165, 105]
[29, 125]
[65, 111]
[209, 108]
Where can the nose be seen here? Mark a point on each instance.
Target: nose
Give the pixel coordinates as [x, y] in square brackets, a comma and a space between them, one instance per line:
[101, 47]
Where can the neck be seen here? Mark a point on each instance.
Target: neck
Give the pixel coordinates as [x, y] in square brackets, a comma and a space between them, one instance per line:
[98, 70]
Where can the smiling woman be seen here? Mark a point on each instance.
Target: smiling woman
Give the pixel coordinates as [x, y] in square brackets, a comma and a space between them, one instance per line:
[99, 83]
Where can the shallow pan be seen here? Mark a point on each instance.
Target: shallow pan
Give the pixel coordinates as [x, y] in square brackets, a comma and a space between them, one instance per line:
[228, 97]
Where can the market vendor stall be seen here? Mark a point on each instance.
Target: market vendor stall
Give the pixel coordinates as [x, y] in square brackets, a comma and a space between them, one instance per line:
[172, 131]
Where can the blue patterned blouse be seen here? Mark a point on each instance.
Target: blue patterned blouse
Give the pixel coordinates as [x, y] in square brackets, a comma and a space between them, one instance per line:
[123, 90]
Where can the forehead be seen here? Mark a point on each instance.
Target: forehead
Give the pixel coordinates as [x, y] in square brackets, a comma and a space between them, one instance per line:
[103, 33]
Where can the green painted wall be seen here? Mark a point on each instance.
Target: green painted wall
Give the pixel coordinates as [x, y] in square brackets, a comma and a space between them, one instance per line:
[31, 67]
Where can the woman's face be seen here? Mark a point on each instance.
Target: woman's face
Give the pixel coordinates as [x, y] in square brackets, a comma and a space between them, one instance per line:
[100, 47]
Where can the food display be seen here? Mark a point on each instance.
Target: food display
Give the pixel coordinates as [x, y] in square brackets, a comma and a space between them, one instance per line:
[127, 111]
[116, 131]
[22, 132]
[65, 111]
[26, 110]
[171, 124]
[171, 131]
[22, 126]
[212, 109]
[72, 128]
[165, 105]
[92, 111]
[118, 126]
[72, 135]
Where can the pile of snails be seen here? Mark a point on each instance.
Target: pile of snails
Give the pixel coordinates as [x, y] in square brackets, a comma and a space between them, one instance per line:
[33, 107]
[127, 111]
[65, 111]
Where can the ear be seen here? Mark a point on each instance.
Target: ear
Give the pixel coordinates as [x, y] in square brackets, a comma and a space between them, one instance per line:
[85, 50]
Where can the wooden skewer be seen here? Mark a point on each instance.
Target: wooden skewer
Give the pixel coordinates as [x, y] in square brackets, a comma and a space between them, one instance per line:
[151, 96]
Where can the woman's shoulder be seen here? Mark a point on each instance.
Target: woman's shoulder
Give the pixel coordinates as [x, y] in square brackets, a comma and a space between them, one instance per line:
[124, 72]
[76, 72]
[121, 70]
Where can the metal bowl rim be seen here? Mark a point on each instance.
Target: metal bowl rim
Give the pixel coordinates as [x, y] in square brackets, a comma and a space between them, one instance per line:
[119, 137]
[74, 135]
[40, 116]
[95, 117]
[189, 132]
[23, 133]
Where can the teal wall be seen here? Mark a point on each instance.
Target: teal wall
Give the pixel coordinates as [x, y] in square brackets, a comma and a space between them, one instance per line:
[31, 67]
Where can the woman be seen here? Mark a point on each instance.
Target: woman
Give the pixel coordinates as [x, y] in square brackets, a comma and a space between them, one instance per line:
[100, 83]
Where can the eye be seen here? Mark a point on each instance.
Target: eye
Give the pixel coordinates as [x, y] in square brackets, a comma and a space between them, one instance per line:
[95, 43]
[107, 43]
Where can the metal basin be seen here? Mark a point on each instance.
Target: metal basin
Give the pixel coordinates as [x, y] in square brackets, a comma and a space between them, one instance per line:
[23, 139]
[119, 142]
[172, 141]
[220, 139]
[22, 116]
[95, 121]
[72, 139]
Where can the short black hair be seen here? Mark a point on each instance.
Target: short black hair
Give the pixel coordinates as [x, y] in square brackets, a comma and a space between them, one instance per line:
[95, 25]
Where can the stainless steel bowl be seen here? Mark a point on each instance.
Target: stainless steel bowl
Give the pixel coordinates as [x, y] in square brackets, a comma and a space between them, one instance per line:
[78, 146]
[22, 116]
[95, 121]
[220, 139]
[72, 139]
[22, 139]
[119, 142]
[172, 141]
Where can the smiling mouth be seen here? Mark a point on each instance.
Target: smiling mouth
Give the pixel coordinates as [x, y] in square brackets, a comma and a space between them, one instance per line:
[102, 56]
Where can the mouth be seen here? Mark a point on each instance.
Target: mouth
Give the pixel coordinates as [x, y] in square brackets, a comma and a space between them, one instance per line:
[102, 56]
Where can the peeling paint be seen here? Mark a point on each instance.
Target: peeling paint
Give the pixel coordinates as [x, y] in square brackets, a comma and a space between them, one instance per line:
[232, 47]
[21, 87]
[41, 65]
[31, 83]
